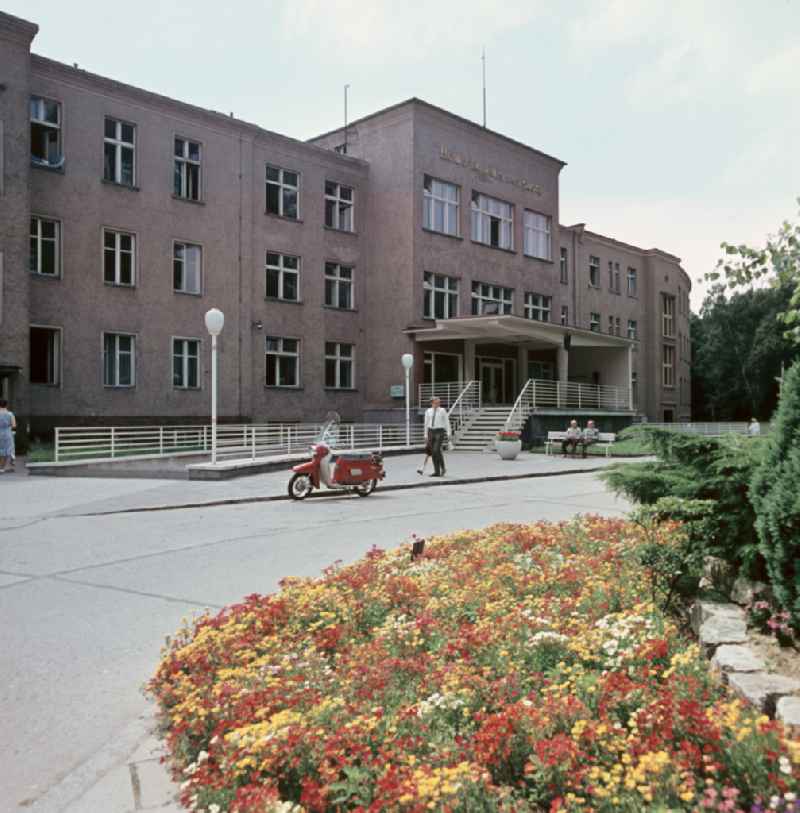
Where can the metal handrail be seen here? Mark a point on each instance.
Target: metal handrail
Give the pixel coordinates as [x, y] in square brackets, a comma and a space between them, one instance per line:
[515, 418]
[448, 392]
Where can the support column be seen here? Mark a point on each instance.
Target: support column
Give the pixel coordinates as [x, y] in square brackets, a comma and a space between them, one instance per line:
[563, 364]
[630, 377]
[522, 366]
[468, 373]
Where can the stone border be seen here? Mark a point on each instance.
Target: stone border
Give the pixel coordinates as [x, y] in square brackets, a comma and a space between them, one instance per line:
[722, 632]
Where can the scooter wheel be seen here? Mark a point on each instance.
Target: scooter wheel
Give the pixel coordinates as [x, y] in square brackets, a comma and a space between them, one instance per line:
[367, 488]
[300, 486]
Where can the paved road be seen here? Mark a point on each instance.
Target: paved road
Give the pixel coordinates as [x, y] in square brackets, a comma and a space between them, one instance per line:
[85, 602]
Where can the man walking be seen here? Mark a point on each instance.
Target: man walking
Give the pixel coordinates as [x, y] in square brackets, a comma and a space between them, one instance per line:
[437, 427]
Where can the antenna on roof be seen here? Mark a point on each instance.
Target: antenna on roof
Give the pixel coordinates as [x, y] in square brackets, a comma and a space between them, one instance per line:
[483, 60]
[344, 149]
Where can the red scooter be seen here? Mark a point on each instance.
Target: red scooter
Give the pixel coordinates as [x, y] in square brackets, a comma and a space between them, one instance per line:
[348, 471]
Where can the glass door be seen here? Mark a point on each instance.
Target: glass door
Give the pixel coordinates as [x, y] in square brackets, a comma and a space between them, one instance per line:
[492, 382]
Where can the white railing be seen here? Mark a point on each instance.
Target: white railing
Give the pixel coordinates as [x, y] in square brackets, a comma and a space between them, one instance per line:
[234, 441]
[466, 405]
[521, 409]
[709, 429]
[447, 391]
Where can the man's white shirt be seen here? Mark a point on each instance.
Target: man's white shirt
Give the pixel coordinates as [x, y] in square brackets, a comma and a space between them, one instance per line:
[439, 420]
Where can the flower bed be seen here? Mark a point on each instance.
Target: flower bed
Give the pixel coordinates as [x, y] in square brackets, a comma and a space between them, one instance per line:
[516, 668]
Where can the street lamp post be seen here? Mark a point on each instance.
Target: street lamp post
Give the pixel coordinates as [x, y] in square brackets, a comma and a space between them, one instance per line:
[407, 361]
[215, 319]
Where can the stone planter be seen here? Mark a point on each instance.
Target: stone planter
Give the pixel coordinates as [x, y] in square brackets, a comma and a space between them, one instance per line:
[508, 449]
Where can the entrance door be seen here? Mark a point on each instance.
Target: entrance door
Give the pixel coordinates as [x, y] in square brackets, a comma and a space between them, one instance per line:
[492, 382]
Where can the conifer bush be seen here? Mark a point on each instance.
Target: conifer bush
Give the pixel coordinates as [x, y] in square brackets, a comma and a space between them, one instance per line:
[775, 494]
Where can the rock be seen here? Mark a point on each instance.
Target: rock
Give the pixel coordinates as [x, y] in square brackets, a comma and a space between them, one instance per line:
[722, 629]
[732, 658]
[788, 712]
[744, 591]
[703, 610]
[761, 689]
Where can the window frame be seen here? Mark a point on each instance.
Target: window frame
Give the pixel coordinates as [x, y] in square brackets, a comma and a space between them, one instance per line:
[594, 321]
[281, 185]
[527, 230]
[338, 200]
[668, 316]
[563, 265]
[594, 271]
[118, 233]
[42, 122]
[58, 367]
[119, 145]
[668, 366]
[282, 273]
[185, 161]
[117, 334]
[633, 276]
[544, 309]
[57, 251]
[185, 363]
[481, 216]
[430, 199]
[429, 291]
[633, 329]
[338, 281]
[565, 315]
[281, 353]
[338, 358]
[480, 298]
[201, 274]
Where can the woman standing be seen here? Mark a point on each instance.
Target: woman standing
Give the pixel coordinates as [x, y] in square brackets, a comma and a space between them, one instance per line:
[7, 424]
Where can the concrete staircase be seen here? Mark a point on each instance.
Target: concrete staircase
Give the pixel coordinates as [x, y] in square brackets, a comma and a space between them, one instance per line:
[477, 434]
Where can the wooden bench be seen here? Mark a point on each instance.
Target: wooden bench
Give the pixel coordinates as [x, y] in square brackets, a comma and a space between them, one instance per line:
[604, 439]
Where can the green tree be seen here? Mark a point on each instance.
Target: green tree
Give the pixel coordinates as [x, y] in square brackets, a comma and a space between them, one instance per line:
[775, 495]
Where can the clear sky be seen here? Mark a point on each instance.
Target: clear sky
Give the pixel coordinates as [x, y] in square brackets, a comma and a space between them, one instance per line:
[679, 119]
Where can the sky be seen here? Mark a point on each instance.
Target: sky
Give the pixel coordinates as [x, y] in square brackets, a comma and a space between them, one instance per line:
[679, 120]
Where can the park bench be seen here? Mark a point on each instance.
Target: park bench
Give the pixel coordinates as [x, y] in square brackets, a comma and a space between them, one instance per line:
[605, 439]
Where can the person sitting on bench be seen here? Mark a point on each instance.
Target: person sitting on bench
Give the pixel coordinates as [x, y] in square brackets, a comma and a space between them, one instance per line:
[589, 436]
[573, 436]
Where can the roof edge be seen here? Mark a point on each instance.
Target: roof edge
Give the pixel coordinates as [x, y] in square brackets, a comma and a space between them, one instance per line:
[17, 29]
[581, 228]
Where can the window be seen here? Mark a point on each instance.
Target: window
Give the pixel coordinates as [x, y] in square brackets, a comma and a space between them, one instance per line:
[564, 315]
[283, 192]
[283, 362]
[536, 231]
[119, 360]
[537, 307]
[185, 364]
[563, 267]
[119, 258]
[635, 388]
[45, 257]
[594, 322]
[119, 148]
[613, 277]
[440, 206]
[338, 206]
[668, 314]
[441, 296]
[632, 281]
[487, 299]
[45, 132]
[45, 358]
[187, 268]
[492, 222]
[339, 365]
[283, 276]
[187, 169]
[617, 326]
[632, 329]
[668, 365]
[611, 325]
[594, 272]
[338, 286]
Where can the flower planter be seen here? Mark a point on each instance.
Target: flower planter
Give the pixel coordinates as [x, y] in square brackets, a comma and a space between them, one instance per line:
[508, 449]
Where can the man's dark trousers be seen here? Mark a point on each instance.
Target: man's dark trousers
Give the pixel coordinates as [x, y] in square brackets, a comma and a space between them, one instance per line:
[437, 439]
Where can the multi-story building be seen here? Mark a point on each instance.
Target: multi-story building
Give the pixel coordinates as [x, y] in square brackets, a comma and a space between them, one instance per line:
[125, 216]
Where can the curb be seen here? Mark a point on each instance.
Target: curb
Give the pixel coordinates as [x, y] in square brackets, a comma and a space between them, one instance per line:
[336, 493]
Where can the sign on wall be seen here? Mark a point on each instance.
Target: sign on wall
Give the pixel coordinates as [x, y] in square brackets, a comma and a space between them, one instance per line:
[488, 173]
[397, 391]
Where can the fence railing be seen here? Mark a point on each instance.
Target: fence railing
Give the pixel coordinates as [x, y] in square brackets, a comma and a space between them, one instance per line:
[447, 391]
[710, 429]
[234, 441]
[467, 404]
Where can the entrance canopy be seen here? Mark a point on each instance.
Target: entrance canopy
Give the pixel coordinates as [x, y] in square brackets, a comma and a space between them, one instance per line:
[514, 330]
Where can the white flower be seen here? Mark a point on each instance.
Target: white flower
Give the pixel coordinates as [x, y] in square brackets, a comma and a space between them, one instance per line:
[214, 808]
[784, 765]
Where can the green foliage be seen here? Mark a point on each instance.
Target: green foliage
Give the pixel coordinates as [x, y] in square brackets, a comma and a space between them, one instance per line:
[694, 467]
[775, 494]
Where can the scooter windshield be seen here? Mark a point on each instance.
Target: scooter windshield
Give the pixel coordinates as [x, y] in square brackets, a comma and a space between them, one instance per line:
[329, 433]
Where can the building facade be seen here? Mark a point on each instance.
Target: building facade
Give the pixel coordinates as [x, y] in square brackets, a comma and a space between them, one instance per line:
[125, 216]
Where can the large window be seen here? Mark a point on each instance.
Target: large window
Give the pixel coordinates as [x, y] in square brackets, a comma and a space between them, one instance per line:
[187, 263]
[186, 364]
[339, 361]
[441, 296]
[614, 277]
[119, 151]
[119, 258]
[45, 355]
[633, 329]
[537, 307]
[283, 362]
[536, 231]
[668, 365]
[668, 314]
[45, 242]
[283, 192]
[492, 221]
[489, 299]
[338, 206]
[594, 271]
[283, 276]
[440, 206]
[563, 267]
[632, 282]
[594, 322]
[45, 132]
[338, 286]
[187, 169]
[119, 360]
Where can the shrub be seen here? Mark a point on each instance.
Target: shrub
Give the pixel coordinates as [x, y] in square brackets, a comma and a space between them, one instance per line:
[775, 495]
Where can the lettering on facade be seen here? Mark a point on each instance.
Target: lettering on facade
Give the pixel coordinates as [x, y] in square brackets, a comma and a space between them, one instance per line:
[488, 173]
